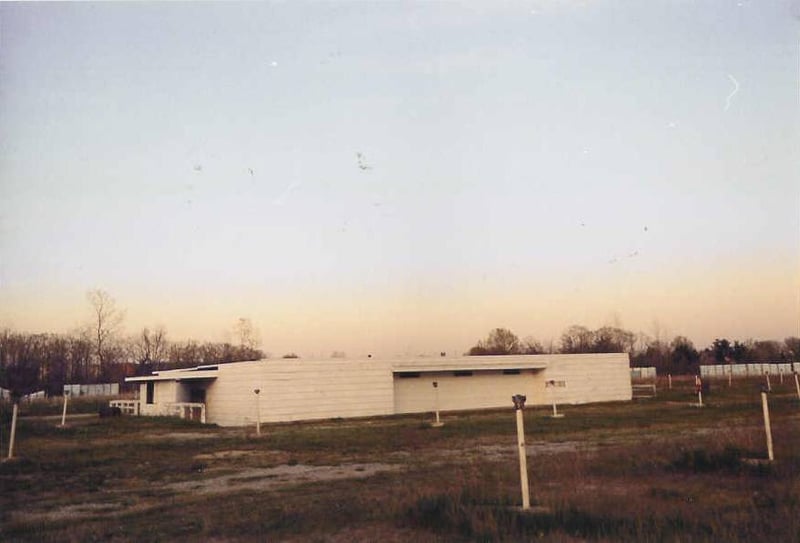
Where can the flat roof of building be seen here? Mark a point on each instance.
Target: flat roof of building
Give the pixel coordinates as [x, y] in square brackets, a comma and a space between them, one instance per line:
[188, 374]
[470, 363]
[427, 364]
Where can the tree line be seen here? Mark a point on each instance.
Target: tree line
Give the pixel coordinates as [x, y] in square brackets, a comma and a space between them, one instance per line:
[99, 352]
[677, 356]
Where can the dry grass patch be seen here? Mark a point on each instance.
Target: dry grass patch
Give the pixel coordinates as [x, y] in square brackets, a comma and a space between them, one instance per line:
[643, 471]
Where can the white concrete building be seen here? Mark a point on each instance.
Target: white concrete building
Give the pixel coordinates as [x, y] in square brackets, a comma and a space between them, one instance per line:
[290, 390]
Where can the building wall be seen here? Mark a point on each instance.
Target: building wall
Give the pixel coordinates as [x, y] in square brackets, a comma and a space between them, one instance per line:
[307, 390]
[164, 393]
[589, 378]
[299, 390]
[481, 390]
[229, 397]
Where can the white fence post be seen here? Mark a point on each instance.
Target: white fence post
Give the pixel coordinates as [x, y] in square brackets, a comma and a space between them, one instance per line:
[553, 384]
[767, 427]
[698, 383]
[64, 412]
[258, 413]
[13, 429]
[797, 385]
[519, 404]
[438, 422]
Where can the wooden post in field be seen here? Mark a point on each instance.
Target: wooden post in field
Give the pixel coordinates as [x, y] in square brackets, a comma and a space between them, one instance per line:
[780, 373]
[438, 422]
[769, 386]
[669, 379]
[13, 429]
[553, 385]
[519, 404]
[767, 427]
[258, 413]
[64, 412]
[797, 385]
[698, 384]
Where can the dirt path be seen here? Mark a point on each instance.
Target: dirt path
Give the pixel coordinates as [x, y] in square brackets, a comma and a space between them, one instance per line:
[279, 476]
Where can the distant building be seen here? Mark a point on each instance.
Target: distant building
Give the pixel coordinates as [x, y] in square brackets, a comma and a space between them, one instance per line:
[643, 372]
[99, 389]
[746, 369]
[5, 394]
[294, 390]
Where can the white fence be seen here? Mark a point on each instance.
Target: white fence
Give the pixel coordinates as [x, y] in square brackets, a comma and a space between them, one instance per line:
[187, 411]
[100, 389]
[744, 370]
[643, 391]
[127, 407]
[5, 394]
[648, 372]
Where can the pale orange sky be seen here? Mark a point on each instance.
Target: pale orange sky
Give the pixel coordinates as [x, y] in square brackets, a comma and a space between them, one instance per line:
[400, 178]
[738, 302]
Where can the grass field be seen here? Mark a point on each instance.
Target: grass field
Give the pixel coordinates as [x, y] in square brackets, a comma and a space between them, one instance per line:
[651, 470]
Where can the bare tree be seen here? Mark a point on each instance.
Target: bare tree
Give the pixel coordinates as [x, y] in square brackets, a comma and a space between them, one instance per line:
[501, 341]
[246, 334]
[81, 347]
[684, 358]
[531, 345]
[21, 360]
[150, 346]
[607, 339]
[792, 348]
[20, 367]
[184, 355]
[106, 321]
[610, 339]
[577, 339]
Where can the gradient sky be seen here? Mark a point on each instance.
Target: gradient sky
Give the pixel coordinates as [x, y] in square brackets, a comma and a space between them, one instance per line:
[531, 165]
